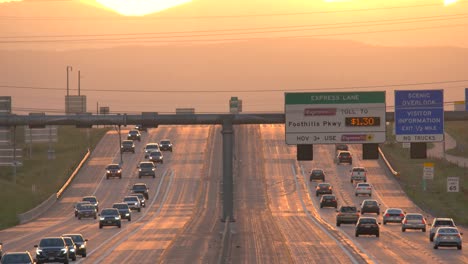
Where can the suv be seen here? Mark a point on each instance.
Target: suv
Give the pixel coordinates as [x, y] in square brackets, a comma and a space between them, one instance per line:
[80, 243]
[132, 202]
[140, 188]
[113, 170]
[78, 205]
[370, 206]
[71, 248]
[150, 147]
[347, 214]
[165, 144]
[146, 168]
[438, 222]
[16, 257]
[367, 226]
[358, 174]
[134, 135]
[93, 200]
[127, 146]
[344, 157]
[156, 157]
[110, 217]
[124, 210]
[317, 174]
[86, 210]
[52, 249]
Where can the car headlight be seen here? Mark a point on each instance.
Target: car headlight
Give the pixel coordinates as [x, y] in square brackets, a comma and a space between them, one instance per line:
[82, 246]
[117, 217]
[127, 214]
[152, 169]
[139, 169]
[108, 171]
[101, 218]
[72, 250]
[38, 251]
[63, 250]
[119, 171]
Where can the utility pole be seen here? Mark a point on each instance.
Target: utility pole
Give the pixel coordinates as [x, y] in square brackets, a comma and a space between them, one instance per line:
[79, 80]
[68, 88]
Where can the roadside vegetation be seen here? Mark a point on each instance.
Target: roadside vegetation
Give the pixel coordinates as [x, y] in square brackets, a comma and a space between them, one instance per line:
[39, 177]
[435, 199]
[459, 131]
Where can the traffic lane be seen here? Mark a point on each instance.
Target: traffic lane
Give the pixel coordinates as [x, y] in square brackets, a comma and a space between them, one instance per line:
[306, 242]
[149, 242]
[256, 238]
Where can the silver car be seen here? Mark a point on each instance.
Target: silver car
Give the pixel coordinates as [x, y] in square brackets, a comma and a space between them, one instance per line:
[363, 188]
[393, 215]
[448, 237]
[413, 221]
[439, 222]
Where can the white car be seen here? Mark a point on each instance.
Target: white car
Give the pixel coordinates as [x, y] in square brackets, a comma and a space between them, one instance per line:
[133, 202]
[150, 147]
[363, 188]
[358, 174]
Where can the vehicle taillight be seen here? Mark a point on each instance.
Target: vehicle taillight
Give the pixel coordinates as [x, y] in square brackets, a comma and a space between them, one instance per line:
[387, 215]
[368, 188]
[405, 221]
[424, 221]
[402, 215]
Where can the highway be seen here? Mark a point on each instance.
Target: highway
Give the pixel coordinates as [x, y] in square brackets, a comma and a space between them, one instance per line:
[277, 217]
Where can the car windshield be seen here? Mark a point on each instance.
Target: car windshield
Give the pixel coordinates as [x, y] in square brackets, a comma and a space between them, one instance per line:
[367, 221]
[69, 241]
[324, 185]
[109, 212]
[358, 169]
[348, 209]
[146, 165]
[444, 223]
[120, 206]
[448, 230]
[414, 217]
[131, 199]
[16, 258]
[113, 167]
[370, 203]
[76, 238]
[345, 154]
[317, 172]
[165, 142]
[152, 146]
[51, 242]
[328, 197]
[127, 143]
[363, 185]
[81, 205]
[87, 207]
[133, 132]
[139, 187]
[90, 199]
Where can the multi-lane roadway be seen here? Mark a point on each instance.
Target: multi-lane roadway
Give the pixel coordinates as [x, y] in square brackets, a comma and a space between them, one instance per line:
[277, 216]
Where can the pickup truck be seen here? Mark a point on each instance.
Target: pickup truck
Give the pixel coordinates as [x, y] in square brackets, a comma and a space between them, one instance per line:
[358, 174]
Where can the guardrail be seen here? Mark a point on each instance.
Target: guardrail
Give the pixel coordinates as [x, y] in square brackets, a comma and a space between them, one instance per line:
[389, 166]
[44, 206]
[225, 241]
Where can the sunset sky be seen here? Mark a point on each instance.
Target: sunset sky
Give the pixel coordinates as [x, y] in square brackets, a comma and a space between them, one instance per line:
[65, 29]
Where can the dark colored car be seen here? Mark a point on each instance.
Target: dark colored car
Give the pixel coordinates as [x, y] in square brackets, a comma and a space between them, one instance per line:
[438, 222]
[17, 258]
[113, 170]
[323, 188]
[367, 226]
[141, 197]
[344, 157]
[347, 215]
[92, 200]
[370, 206]
[124, 210]
[156, 157]
[146, 168]
[134, 135]
[52, 249]
[127, 146]
[110, 217]
[86, 211]
[78, 205]
[140, 188]
[165, 145]
[141, 128]
[341, 147]
[317, 174]
[328, 200]
[80, 243]
[71, 248]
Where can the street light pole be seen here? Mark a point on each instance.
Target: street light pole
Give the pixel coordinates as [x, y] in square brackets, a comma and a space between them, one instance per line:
[71, 69]
[120, 144]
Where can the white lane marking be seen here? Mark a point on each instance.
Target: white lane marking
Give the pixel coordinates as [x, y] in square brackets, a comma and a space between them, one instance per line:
[144, 214]
[350, 256]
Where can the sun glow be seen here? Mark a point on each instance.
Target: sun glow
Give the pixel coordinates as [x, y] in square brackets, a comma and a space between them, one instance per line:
[137, 7]
[448, 2]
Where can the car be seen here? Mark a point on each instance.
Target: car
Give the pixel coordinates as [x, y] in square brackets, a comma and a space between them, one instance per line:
[80, 242]
[328, 200]
[370, 206]
[156, 157]
[71, 248]
[87, 210]
[393, 215]
[141, 197]
[127, 146]
[317, 174]
[110, 217]
[124, 210]
[93, 200]
[344, 157]
[78, 205]
[132, 202]
[146, 168]
[439, 222]
[113, 170]
[165, 145]
[140, 188]
[358, 174]
[17, 258]
[134, 135]
[323, 188]
[341, 147]
[141, 128]
[367, 226]
[363, 188]
[52, 249]
[150, 147]
[413, 221]
[448, 237]
[347, 215]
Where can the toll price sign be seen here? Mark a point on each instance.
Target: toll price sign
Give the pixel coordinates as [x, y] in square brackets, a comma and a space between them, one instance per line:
[328, 118]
